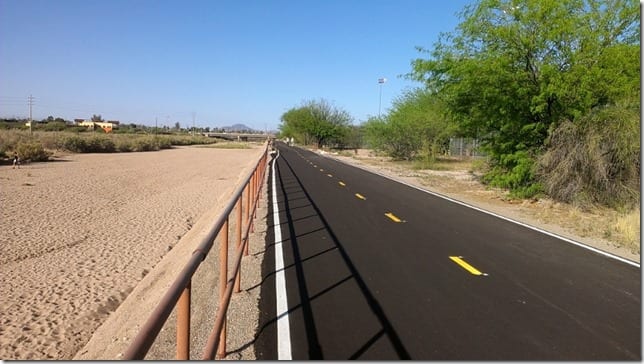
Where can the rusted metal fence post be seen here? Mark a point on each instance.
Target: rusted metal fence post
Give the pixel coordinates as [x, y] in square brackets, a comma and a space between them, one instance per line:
[223, 278]
[239, 241]
[255, 195]
[183, 324]
[247, 211]
[259, 182]
[252, 196]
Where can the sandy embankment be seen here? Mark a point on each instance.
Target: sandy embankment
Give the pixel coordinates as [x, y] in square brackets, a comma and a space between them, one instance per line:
[77, 236]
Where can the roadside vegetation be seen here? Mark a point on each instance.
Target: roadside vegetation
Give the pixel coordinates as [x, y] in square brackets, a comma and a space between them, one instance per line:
[230, 145]
[555, 109]
[319, 123]
[46, 139]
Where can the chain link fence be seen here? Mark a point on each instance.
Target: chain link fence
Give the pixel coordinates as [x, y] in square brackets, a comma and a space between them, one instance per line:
[465, 147]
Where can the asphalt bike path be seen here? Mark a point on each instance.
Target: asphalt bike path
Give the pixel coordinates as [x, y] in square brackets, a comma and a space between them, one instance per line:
[377, 270]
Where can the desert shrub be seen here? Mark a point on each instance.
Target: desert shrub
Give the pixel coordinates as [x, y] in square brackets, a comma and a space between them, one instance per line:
[229, 145]
[163, 142]
[516, 172]
[94, 144]
[33, 151]
[77, 129]
[595, 160]
[49, 141]
[74, 141]
[180, 140]
[145, 144]
[100, 144]
[124, 145]
[8, 141]
[54, 126]
[74, 144]
[8, 125]
[11, 139]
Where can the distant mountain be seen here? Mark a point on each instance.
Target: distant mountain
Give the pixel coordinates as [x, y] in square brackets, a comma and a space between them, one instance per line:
[236, 128]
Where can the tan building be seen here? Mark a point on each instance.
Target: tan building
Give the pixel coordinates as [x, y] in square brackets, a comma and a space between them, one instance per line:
[107, 126]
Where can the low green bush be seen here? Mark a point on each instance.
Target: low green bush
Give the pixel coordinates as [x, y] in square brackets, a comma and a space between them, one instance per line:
[515, 172]
[101, 144]
[32, 151]
[144, 144]
[76, 140]
[163, 142]
[75, 144]
[124, 145]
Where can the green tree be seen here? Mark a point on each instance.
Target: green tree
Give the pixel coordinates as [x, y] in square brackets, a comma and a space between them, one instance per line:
[97, 118]
[316, 122]
[399, 140]
[352, 138]
[297, 123]
[415, 125]
[512, 71]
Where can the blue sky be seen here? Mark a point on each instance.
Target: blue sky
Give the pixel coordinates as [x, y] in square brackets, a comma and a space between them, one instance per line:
[227, 61]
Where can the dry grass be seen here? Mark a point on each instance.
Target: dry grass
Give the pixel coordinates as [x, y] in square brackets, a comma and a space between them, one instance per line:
[627, 227]
[444, 164]
[229, 145]
[620, 228]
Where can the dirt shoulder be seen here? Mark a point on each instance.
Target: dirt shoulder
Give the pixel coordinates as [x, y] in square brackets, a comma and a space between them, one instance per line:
[603, 229]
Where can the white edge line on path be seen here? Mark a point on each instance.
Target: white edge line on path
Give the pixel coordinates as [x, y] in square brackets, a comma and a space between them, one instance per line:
[283, 327]
[574, 242]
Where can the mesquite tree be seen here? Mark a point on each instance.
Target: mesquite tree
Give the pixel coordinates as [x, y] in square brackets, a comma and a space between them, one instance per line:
[316, 122]
[513, 71]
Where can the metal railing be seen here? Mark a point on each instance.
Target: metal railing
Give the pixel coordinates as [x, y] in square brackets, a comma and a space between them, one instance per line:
[179, 293]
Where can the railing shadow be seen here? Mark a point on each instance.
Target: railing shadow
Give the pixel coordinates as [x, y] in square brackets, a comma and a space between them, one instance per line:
[315, 351]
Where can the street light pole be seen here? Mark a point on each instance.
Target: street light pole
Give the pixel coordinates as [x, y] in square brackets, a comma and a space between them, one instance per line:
[381, 81]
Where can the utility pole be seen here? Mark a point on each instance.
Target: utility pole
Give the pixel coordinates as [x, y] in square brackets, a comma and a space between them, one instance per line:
[155, 127]
[193, 123]
[30, 101]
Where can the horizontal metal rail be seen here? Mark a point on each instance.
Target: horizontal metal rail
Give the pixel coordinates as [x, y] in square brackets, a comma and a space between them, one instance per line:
[180, 292]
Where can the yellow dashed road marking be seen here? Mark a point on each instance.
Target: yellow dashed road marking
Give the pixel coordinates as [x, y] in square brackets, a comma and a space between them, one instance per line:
[360, 196]
[393, 217]
[466, 266]
[341, 183]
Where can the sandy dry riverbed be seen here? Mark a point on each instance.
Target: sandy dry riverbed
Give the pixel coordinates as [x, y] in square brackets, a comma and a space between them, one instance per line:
[77, 235]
